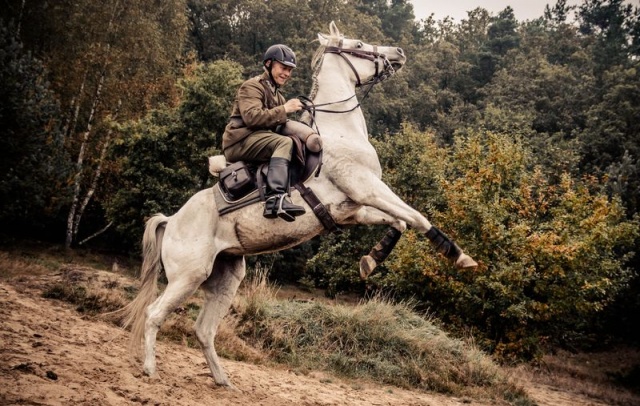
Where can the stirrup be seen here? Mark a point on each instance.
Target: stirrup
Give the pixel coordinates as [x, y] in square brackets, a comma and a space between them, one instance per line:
[274, 207]
[282, 213]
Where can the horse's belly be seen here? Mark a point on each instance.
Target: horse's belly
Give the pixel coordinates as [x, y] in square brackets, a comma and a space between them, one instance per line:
[259, 235]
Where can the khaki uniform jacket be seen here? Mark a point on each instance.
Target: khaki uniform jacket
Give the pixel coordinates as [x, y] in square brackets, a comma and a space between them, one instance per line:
[258, 106]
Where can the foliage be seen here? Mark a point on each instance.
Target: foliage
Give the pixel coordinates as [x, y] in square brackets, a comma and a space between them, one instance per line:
[32, 171]
[334, 266]
[162, 156]
[552, 255]
[107, 61]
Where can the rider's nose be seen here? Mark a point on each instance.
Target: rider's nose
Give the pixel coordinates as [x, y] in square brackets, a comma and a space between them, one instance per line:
[400, 51]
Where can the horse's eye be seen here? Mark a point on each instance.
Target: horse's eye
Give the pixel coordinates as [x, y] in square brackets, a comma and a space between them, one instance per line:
[359, 44]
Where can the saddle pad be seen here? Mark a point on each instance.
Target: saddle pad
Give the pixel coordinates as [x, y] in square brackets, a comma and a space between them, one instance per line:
[226, 206]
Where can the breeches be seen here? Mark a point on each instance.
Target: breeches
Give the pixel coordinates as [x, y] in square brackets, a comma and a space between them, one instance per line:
[260, 146]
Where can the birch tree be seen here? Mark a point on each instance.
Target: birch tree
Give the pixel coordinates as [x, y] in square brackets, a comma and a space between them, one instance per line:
[109, 61]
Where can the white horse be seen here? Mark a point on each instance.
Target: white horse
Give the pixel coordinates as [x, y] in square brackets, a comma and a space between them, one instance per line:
[199, 248]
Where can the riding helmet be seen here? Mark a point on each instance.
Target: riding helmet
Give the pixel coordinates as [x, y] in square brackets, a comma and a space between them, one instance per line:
[282, 54]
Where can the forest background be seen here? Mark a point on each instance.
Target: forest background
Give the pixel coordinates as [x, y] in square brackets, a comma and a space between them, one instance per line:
[520, 139]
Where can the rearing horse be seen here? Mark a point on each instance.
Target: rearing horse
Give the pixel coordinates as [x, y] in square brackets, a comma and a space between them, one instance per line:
[199, 248]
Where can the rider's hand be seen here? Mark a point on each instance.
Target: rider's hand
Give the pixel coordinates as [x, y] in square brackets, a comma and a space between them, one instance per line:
[293, 105]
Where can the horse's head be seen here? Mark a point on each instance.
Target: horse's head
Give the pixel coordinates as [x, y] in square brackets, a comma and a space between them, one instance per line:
[369, 63]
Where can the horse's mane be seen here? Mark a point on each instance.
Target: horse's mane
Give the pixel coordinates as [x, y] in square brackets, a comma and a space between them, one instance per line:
[316, 61]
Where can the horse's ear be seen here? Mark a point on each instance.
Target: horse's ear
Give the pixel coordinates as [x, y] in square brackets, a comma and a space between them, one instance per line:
[333, 28]
[323, 40]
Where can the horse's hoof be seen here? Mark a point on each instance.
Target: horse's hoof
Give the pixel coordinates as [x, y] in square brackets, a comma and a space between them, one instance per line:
[228, 386]
[154, 376]
[367, 265]
[150, 371]
[465, 261]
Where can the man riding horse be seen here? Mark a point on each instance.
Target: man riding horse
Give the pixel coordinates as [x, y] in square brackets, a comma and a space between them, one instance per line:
[254, 131]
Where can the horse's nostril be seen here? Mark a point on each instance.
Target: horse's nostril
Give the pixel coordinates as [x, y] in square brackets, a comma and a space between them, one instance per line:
[400, 51]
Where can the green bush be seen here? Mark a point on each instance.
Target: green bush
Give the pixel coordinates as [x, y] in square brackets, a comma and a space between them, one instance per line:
[551, 255]
[162, 157]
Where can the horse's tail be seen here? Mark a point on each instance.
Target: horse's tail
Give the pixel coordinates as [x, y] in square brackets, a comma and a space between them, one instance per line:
[134, 314]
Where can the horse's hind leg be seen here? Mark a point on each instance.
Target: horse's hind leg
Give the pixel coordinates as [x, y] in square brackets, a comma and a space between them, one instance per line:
[177, 291]
[219, 291]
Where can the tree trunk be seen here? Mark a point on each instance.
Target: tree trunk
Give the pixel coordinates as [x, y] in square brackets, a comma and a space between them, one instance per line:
[79, 165]
[97, 233]
[20, 18]
[72, 120]
[73, 220]
[96, 177]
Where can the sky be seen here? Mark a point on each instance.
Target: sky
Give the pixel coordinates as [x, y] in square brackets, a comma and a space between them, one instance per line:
[523, 9]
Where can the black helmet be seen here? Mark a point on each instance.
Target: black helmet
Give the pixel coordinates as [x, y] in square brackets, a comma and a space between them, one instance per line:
[280, 53]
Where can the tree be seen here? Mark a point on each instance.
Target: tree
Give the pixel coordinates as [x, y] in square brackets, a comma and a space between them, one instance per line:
[32, 164]
[108, 61]
[501, 37]
[613, 27]
[162, 156]
[532, 237]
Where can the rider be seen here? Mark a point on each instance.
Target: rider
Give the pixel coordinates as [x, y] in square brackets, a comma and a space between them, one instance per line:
[258, 110]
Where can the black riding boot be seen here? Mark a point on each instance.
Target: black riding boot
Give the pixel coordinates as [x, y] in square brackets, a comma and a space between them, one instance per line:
[277, 203]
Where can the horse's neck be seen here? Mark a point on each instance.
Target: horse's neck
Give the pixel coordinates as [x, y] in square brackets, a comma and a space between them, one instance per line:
[334, 86]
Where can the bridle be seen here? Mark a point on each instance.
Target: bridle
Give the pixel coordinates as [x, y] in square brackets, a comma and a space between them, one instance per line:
[381, 74]
[373, 56]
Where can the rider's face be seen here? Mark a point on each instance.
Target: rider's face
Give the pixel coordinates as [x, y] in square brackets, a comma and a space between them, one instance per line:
[281, 73]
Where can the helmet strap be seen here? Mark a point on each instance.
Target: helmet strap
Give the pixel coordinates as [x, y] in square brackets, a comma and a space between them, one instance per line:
[268, 68]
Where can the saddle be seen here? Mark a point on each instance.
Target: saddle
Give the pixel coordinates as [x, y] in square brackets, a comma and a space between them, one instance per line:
[242, 184]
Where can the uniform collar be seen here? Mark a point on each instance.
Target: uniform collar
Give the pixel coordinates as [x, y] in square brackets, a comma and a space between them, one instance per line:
[266, 77]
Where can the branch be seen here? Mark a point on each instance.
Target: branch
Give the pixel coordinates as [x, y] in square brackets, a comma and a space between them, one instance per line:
[97, 233]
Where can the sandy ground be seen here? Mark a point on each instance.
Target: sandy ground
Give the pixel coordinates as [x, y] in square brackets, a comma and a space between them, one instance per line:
[52, 355]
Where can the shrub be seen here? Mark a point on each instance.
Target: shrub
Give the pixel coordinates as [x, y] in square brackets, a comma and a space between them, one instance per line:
[552, 255]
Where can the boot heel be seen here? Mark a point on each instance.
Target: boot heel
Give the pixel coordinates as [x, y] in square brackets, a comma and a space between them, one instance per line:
[270, 209]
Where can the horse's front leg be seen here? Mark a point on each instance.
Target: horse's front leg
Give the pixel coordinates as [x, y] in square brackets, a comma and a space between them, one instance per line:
[370, 216]
[368, 190]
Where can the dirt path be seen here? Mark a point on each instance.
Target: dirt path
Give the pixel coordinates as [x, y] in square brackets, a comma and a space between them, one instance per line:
[51, 355]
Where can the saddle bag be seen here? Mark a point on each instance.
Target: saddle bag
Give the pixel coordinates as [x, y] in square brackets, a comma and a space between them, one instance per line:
[236, 180]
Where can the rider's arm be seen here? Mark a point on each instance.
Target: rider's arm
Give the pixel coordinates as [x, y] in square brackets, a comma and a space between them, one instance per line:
[251, 103]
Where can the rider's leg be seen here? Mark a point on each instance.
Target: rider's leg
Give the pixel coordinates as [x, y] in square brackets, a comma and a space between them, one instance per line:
[306, 134]
[263, 146]
[277, 203]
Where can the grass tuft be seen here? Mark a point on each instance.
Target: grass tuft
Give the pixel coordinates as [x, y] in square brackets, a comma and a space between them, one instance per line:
[377, 340]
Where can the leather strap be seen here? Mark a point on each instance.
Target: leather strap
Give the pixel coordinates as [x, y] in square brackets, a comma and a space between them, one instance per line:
[318, 208]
